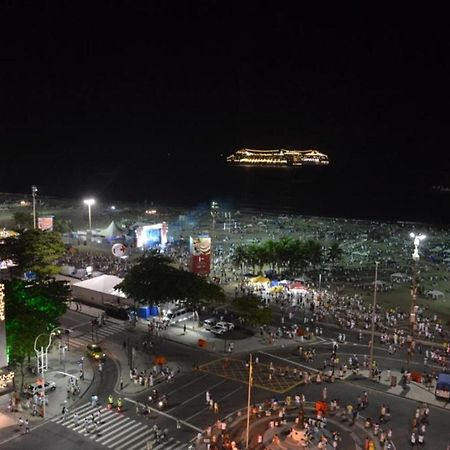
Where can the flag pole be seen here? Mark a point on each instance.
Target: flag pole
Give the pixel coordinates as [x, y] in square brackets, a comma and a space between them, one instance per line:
[250, 382]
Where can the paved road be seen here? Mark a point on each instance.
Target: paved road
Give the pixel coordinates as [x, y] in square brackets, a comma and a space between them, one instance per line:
[226, 383]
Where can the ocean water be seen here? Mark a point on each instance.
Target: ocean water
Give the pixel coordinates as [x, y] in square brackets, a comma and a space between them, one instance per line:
[333, 191]
[362, 190]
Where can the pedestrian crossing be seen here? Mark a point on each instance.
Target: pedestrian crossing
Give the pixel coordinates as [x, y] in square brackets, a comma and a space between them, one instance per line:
[80, 342]
[114, 430]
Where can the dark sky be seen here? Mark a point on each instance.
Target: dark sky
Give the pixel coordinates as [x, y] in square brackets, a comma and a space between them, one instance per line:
[110, 96]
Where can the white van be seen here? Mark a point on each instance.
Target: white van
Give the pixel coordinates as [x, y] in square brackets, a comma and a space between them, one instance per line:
[178, 315]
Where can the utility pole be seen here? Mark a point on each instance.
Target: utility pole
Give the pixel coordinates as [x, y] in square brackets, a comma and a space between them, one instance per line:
[34, 190]
[415, 273]
[372, 334]
[250, 383]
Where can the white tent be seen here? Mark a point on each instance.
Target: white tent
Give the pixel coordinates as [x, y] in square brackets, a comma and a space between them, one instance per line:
[99, 290]
[435, 294]
[111, 231]
[399, 276]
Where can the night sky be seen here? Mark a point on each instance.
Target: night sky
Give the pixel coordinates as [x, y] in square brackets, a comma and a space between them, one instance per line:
[144, 100]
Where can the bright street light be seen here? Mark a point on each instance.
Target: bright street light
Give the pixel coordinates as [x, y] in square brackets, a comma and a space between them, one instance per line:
[89, 202]
[417, 238]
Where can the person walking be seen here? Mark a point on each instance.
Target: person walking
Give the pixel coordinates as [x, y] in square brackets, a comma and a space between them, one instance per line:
[27, 426]
[86, 425]
[76, 419]
[324, 394]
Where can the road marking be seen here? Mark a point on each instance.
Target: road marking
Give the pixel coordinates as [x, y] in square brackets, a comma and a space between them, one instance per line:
[142, 438]
[126, 424]
[128, 430]
[198, 395]
[223, 398]
[169, 416]
[289, 361]
[187, 384]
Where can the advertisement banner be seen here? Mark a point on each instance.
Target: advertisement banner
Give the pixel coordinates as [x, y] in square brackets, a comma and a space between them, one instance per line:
[152, 236]
[200, 250]
[45, 223]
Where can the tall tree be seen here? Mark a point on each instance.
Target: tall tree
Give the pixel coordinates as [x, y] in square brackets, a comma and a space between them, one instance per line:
[154, 280]
[34, 250]
[23, 219]
[334, 252]
[31, 308]
[250, 310]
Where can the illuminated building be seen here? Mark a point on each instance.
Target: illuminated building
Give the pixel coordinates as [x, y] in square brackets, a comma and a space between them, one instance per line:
[6, 376]
[278, 158]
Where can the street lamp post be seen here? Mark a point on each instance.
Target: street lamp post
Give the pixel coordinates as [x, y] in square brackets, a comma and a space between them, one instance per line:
[42, 355]
[34, 190]
[417, 238]
[89, 202]
[372, 334]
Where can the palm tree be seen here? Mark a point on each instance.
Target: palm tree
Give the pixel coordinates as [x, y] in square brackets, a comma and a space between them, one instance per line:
[334, 252]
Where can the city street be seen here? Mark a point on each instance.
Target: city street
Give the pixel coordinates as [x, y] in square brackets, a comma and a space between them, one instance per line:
[216, 376]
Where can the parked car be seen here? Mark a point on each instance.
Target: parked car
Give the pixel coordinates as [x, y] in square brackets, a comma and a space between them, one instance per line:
[209, 323]
[36, 388]
[227, 325]
[218, 330]
[95, 352]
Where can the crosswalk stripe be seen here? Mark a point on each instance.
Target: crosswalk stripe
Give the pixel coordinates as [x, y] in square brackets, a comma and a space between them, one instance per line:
[84, 412]
[121, 424]
[143, 438]
[107, 423]
[54, 419]
[165, 444]
[137, 428]
[104, 440]
[115, 430]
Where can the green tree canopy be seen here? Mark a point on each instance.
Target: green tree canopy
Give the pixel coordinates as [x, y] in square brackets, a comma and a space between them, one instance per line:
[251, 311]
[23, 219]
[34, 250]
[284, 254]
[32, 308]
[334, 252]
[154, 280]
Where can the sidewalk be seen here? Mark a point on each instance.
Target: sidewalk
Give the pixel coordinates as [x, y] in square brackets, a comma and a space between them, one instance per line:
[414, 391]
[221, 346]
[61, 367]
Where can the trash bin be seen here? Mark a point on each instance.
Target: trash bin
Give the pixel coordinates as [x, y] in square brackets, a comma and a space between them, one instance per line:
[416, 376]
[393, 380]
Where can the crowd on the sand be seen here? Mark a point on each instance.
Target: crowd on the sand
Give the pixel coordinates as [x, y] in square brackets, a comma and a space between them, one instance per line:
[384, 242]
[79, 261]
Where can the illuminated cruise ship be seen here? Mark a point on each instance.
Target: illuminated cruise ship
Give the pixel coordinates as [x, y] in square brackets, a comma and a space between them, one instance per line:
[278, 158]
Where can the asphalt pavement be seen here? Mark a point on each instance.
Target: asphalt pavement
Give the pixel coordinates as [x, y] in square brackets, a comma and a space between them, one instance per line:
[199, 369]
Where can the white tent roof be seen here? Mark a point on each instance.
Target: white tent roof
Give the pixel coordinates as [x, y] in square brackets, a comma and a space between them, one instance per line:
[111, 231]
[399, 275]
[103, 283]
[435, 293]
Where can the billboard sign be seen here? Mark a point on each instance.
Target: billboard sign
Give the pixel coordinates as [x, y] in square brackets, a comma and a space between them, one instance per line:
[200, 250]
[45, 223]
[151, 236]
